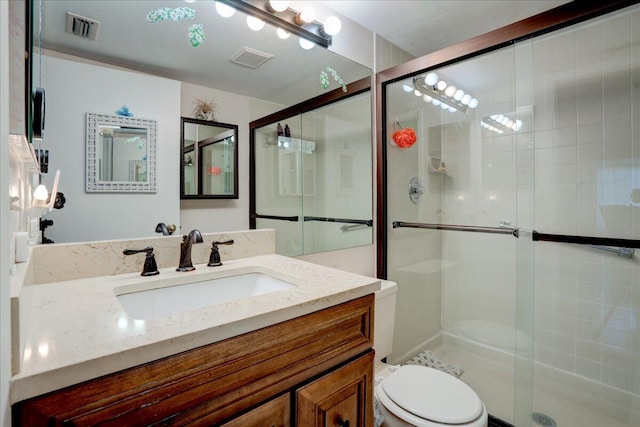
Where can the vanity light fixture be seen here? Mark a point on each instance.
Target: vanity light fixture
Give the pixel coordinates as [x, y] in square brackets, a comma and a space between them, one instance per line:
[40, 196]
[437, 92]
[255, 24]
[301, 23]
[306, 44]
[224, 10]
[283, 34]
[500, 123]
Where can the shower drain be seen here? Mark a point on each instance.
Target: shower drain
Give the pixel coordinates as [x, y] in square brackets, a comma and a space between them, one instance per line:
[543, 419]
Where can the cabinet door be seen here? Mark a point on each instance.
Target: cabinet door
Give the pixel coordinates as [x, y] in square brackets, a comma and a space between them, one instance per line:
[342, 398]
[275, 413]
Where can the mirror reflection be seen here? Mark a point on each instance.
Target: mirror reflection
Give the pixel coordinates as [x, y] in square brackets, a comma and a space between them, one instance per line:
[209, 160]
[121, 154]
[313, 183]
[154, 70]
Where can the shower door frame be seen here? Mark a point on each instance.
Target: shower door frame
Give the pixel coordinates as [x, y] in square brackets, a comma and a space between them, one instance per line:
[554, 19]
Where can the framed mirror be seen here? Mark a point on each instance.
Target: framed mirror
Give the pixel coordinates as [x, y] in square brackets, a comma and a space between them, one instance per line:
[209, 160]
[121, 154]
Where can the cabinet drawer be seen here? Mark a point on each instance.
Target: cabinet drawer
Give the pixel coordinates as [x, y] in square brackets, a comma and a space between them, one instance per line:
[343, 397]
[275, 413]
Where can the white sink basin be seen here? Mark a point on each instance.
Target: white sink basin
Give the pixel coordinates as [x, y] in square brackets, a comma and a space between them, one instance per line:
[167, 300]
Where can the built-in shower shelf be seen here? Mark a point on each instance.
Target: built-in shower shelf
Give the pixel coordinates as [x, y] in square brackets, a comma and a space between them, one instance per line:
[435, 165]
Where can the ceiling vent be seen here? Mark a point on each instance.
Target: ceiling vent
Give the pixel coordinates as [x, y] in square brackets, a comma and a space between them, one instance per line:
[82, 27]
[251, 58]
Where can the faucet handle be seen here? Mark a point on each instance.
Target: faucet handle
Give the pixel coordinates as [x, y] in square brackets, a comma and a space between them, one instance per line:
[150, 267]
[214, 258]
[227, 242]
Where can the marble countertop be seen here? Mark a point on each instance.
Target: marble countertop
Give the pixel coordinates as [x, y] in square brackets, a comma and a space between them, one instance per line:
[77, 330]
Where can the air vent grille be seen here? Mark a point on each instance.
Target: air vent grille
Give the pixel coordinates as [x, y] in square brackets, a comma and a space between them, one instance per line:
[251, 58]
[82, 26]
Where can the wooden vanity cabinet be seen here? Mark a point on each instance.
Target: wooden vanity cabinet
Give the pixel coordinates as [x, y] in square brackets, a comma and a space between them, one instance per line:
[318, 366]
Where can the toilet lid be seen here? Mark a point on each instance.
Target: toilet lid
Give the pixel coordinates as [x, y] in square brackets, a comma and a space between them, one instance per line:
[433, 395]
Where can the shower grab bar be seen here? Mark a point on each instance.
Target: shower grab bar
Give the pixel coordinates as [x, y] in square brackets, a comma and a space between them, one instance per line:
[451, 227]
[623, 252]
[621, 247]
[277, 217]
[586, 240]
[353, 227]
[367, 222]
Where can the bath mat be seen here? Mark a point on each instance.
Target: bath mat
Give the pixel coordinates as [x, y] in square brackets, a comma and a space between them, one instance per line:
[428, 358]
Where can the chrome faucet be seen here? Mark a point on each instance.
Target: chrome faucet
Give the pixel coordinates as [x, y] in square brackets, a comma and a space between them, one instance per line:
[188, 240]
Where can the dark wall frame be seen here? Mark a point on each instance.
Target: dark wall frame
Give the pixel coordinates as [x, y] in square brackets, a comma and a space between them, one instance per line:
[236, 172]
[353, 89]
[28, 70]
[546, 22]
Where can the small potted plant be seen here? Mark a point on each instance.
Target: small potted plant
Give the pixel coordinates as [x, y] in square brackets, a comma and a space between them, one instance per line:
[204, 109]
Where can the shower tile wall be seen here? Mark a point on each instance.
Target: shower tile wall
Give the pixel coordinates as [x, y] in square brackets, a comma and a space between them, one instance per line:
[587, 166]
[582, 152]
[573, 168]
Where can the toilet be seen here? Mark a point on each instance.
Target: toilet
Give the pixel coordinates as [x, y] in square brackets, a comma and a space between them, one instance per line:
[413, 395]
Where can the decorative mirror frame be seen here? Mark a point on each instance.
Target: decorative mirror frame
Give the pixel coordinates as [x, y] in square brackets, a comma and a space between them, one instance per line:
[93, 185]
[201, 196]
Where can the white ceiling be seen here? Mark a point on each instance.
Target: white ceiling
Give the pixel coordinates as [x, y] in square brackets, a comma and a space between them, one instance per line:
[292, 75]
[423, 26]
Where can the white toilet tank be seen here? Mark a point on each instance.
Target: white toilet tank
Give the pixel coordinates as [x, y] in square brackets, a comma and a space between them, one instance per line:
[385, 311]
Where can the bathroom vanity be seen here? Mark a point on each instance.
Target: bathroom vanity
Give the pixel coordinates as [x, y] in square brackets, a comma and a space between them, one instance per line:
[296, 356]
[315, 368]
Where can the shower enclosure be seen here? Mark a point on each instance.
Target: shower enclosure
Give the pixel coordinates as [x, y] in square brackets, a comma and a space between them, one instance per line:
[510, 221]
[311, 175]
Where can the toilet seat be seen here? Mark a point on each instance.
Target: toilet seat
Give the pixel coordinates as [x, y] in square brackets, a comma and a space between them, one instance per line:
[426, 397]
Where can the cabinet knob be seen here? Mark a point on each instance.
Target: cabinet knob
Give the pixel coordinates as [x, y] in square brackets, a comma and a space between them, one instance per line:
[343, 423]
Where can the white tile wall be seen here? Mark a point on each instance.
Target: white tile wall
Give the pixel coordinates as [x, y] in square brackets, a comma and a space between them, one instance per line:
[572, 170]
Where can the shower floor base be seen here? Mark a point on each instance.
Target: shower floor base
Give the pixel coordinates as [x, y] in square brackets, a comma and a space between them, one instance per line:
[490, 373]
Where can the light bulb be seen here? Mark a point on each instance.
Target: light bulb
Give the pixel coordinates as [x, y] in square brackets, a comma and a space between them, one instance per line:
[224, 10]
[465, 99]
[441, 85]
[444, 106]
[427, 98]
[435, 102]
[431, 79]
[279, 5]
[41, 192]
[458, 95]
[254, 23]
[306, 44]
[189, 1]
[417, 92]
[307, 14]
[332, 25]
[407, 88]
[473, 103]
[452, 109]
[450, 91]
[40, 196]
[283, 34]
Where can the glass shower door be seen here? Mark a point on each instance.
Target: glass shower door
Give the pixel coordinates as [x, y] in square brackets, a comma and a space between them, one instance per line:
[279, 184]
[452, 204]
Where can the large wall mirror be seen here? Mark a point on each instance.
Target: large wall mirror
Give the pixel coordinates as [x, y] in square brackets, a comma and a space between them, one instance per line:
[209, 168]
[311, 175]
[154, 70]
[121, 154]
